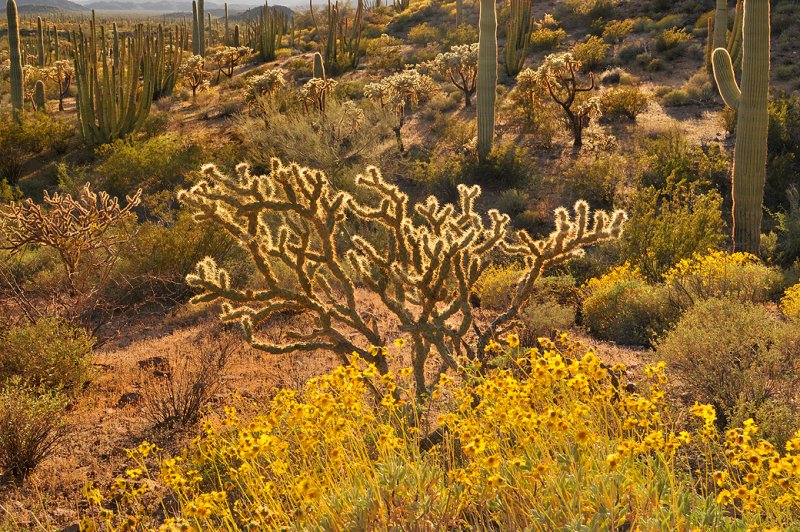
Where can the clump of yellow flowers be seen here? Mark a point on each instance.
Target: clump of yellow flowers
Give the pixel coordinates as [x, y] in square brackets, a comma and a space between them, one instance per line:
[552, 439]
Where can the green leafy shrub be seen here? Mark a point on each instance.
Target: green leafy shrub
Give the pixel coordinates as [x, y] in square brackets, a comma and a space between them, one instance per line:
[669, 225]
[622, 307]
[31, 427]
[423, 34]
[157, 163]
[783, 149]
[596, 178]
[464, 34]
[718, 275]
[670, 42]
[591, 53]
[496, 286]
[544, 319]
[671, 158]
[737, 357]
[49, 353]
[790, 302]
[385, 54]
[34, 134]
[627, 102]
[545, 39]
[616, 30]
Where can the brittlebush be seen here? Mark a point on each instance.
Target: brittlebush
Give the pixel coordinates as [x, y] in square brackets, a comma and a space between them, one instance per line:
[550, 440]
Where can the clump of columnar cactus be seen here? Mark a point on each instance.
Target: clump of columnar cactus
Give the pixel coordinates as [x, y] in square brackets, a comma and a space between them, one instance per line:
[264, 84]
[557, 77]
[419, 266]
[315, 93]
[15, 59]
[460, 67]
[399, 94]
[750, 100]
[193, 74]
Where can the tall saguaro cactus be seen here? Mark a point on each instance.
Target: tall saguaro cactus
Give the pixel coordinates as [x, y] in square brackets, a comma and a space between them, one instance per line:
[15, 71]
[227, 28]
[750, 101]
[201, 30]
[40, 41]
[487, 76]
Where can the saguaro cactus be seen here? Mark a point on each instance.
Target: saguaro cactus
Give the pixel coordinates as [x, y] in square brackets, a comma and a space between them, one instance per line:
[40, 41]
[487, 76]
[15, 70]
[195, 31]
[227, 29]
[201, 29]
[236, 39]
[39, 98]
[750, 102]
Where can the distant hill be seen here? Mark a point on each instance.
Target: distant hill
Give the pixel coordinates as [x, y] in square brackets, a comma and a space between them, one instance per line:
[48, 6]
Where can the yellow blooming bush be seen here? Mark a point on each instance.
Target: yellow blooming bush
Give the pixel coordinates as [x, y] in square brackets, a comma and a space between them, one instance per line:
[621, 306]
[552, 439]
[790, 302]
[739, 276]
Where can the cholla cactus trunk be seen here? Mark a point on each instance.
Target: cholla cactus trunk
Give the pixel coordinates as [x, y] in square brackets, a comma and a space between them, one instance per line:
[751, 104]
[39, 98]
[40, 42]
[15, 57]
[487, 76]
[195, 32]
[318, 69]
[518, 35]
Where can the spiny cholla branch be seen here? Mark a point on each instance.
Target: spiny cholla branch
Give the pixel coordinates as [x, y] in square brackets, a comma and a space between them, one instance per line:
[423, 271]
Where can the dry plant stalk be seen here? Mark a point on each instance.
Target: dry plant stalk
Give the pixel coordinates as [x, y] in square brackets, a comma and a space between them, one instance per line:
[429, 259]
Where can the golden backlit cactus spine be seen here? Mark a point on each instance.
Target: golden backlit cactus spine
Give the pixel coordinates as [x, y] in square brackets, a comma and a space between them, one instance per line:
[751, 104]
[16, 75]
[421, 271]
[487, 76]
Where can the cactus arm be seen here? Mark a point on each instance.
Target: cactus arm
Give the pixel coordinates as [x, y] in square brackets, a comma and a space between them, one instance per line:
[726, 78]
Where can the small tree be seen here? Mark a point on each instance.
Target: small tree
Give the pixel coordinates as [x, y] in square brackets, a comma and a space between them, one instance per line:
[558, 76]
[421, 263]
[194, 75]
[460, 66]
[399, 93]
[61, 73]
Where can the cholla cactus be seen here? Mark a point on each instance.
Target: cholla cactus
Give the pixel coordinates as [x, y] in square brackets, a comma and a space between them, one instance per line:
[400, 93]
[419, 266]
[558, 75]
[315, 93]
[228, 57]
[193, 74]
[263, 84]
[460, 66]
[61, 73]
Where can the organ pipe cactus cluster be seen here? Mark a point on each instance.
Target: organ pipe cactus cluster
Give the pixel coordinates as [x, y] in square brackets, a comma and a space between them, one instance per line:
[750, 100]
[269, 31]
[167, 63]
[518, 35]
[343, 38]
[487, 76]
[15, 56]
[113, 95]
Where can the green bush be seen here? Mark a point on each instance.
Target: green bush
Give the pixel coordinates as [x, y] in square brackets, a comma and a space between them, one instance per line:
[670, 158]
[670, 40]
[545, 39]
[34, 134]
[739, 358]
[622, 307]
[31, 427]
[154, 164]
[783, 148]
[669, 225]
[423, 34]
[596, 178]
[718, 275]
[385, 54]
[591, 53]
[496, 285]
[627, 102]
[464, 34]
[544, 319]
[616, 30]
[49, 353]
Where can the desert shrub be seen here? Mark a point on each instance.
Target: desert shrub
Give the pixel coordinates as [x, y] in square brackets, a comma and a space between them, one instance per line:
[179, 392]
[9, 193]
[157, 163]
[669, 42]
[537, 116]
[591, 53]
[628, 52]
[787, 228]
[790, 302]
[669, 225]
[34, 134]
[512, 201]
[616, 30]
[542, 320]
[718, 275]
[597, 177]
[618, 76]
[783, 148]
[622, 307]
[626, 102]
[671, 158]
[737, 357]
[506, 166]
[385, 54]
[423, 34]
[464, 34]
[587, 10]
[546, 39]
[496, 285]
[31, 427]
[49, 353]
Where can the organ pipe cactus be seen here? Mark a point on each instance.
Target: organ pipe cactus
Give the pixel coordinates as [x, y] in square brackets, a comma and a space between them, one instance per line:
[15, 56]
[114, 99]
[518, 35]
[750, 100]
[487, 76]
[167, 61]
